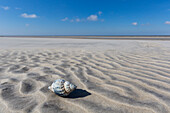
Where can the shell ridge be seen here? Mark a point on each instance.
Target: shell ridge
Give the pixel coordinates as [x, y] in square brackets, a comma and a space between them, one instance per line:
[62, 87]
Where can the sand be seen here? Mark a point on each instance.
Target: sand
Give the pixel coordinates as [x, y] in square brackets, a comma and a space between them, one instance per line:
[112, 76]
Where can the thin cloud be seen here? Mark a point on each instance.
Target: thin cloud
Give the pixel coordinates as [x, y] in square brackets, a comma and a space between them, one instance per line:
[167, 22]
[18, 8]
[64, 19]
[27, 25]
[145, 24]
[25, 15]
[102, 20]
[71, 20]
[99, 12]
[92, 18]
[134, 23]
[5, 7]
[77, 20]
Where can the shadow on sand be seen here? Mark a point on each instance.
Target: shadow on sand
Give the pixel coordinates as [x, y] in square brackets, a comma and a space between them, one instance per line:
[78, 93]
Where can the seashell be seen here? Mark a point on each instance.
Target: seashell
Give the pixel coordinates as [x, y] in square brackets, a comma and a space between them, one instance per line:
[62, 87]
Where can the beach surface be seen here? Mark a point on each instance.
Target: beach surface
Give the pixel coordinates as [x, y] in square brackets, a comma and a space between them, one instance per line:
[112, 76]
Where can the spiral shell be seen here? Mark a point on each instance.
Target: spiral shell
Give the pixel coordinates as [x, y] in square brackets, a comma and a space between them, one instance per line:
[62, 87]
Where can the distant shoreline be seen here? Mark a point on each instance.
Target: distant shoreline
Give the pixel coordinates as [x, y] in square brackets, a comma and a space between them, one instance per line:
[144, 37]
[84, 35]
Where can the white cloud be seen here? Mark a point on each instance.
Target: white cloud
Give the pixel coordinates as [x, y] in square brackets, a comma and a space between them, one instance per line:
[77, 20]
[92, 18]
[25, 15]
[27, 25]
[99, 12]
[134, 23]
[64, 19]
[5, 7]
[167, 22]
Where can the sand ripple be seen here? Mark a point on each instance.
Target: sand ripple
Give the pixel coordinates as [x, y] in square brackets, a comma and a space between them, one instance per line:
[108, 81]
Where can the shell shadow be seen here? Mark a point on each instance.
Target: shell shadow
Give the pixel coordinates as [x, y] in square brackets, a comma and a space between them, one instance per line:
[78, 93]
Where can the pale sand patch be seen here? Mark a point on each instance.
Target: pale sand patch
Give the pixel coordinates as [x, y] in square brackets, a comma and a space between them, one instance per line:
[112, 76]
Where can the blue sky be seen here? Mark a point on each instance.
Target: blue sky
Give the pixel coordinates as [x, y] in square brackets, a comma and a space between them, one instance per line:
[84, 17]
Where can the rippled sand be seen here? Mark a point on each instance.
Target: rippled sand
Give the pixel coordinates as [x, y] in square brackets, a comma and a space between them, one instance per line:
[112, 77]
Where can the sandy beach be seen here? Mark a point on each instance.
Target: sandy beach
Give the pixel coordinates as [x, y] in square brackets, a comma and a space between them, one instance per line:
[112, 76]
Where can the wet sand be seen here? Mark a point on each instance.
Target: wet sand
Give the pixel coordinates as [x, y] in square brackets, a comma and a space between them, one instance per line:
[113, 76]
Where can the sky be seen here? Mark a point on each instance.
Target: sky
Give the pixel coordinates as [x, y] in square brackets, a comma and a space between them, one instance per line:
[84, 17]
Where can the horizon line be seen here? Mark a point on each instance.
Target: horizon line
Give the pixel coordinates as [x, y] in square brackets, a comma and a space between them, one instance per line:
[76, 35]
